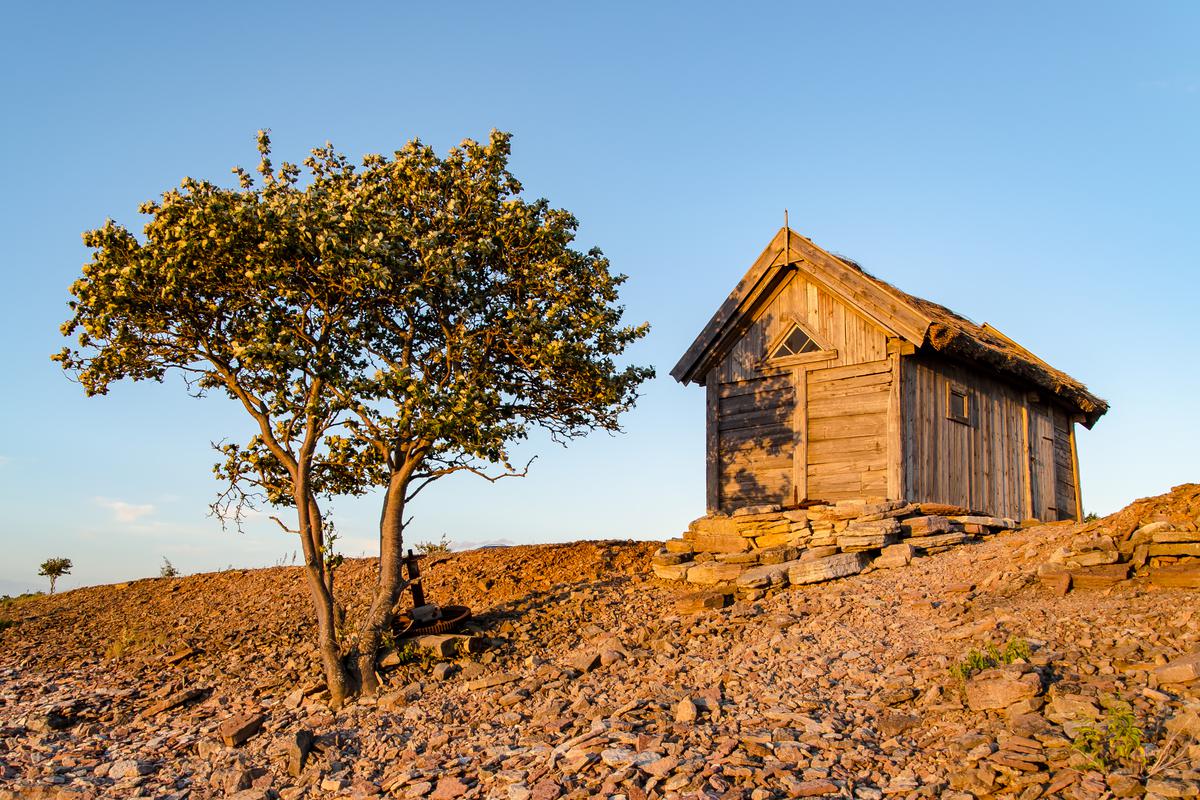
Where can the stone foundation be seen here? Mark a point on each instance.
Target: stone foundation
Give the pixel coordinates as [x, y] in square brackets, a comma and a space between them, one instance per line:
[758, 549]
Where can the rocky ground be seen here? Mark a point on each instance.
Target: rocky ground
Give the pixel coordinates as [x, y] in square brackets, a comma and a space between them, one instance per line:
[598, 681]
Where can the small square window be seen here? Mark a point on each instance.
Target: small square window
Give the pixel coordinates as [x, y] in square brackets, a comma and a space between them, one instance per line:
[958, 403]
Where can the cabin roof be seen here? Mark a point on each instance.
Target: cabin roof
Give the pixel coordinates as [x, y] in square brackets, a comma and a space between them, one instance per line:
[923, 323]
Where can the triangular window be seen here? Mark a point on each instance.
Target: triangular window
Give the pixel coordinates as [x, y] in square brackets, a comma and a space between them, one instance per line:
[795, 343]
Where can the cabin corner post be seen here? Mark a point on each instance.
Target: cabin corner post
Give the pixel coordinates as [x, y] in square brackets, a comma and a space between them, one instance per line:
[712, 472]
[1075, 472]
[1026, 459]
[895, 437]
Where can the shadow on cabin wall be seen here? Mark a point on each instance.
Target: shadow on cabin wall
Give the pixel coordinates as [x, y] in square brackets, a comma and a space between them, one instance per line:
[757, 481]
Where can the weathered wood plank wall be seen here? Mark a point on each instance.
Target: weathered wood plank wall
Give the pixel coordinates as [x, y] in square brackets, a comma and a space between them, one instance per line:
[1012, 458]
[847, 428]
[754, 425]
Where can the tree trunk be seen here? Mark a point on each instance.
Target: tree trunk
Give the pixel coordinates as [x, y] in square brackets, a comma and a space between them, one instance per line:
[337, 679]
[391, 579]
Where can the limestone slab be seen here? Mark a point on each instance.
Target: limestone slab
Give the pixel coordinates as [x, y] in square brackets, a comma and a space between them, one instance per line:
[828, 568]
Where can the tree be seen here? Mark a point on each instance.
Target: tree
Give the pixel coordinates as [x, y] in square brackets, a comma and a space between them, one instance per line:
[55, 568]
[384, 325]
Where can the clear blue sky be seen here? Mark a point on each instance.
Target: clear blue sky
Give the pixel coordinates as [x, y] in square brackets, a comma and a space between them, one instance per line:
[1030, 165]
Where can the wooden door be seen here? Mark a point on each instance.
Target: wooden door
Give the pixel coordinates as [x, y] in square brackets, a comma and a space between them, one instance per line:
[1042, 467]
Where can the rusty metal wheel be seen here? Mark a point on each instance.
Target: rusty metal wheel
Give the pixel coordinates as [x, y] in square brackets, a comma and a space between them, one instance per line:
[452, 617]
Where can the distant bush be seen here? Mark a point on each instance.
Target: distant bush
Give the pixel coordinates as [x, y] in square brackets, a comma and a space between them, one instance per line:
[991, 656]
[168, 569]
[438, 548]
[55, 568]
[1091, 516]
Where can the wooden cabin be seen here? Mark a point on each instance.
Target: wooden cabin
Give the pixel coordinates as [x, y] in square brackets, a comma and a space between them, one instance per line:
[825, 383]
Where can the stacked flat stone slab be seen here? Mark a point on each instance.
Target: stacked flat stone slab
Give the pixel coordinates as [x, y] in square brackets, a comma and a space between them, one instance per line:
[758, 549]
[1165, 550]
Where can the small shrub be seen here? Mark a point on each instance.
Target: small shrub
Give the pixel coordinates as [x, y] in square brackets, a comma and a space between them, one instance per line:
[168, 569]
[1015, 649]
[408, 654]
[1115, 741]
[1091, 516]
[131, 640]
[439, 548]
[125, 641]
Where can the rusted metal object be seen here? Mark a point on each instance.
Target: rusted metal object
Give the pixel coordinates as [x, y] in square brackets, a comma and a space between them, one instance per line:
[424, 617]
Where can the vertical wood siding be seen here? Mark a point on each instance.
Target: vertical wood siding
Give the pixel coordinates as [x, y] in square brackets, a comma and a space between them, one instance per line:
[984, 465]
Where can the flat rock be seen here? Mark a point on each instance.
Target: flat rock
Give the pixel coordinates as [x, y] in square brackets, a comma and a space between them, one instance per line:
[828, 568]
[1098, 577]
[488, 681]
[747, 511]
[718, 525]
[1184, 575]
[1169, 536]
[237, 729]
[937, 540]
[853, 541]
[925, 526]
[449, 788]
[765, 576]
[987, 522]
[894, 723]
[1181, 670]
[672, 572]
[719, 542]
[585, 662]
[1176, 549]
[885, 526]
[701, 601]
[778, 555]
[173, 701]
[822, 551]
[896, 555]
[714, 572]
[1000, 688]
[667, 558]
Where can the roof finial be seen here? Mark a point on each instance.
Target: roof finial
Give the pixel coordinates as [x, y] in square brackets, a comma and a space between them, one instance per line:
[787, 238]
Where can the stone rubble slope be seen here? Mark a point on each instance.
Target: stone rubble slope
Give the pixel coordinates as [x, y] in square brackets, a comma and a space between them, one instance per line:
[598, 681]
